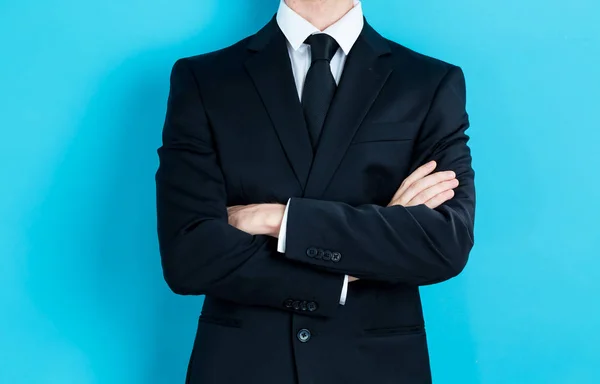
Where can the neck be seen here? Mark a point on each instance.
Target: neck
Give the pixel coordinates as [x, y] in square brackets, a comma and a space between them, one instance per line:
[321, 13]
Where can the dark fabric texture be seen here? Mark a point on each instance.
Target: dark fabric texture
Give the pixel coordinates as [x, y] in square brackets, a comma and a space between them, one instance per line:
[235, 133]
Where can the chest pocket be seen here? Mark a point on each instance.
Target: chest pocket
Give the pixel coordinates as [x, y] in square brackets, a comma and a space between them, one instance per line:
[372, 132]
[375, 164]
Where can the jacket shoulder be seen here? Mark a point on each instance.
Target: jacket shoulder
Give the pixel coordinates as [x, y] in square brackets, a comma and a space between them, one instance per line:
[220, 58]
[419, 63]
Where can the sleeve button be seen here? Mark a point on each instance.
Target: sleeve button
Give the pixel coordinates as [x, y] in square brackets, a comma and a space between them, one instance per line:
[312, 252]
[312, 306]
[303, 305]
[336, 256]
[288, 303]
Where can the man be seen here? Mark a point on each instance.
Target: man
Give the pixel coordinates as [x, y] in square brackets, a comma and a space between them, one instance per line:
[296, 190]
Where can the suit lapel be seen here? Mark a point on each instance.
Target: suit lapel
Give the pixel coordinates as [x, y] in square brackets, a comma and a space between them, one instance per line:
[271, 71]
[365, 72]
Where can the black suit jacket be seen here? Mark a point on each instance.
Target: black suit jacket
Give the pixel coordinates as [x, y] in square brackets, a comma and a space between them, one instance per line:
[235, 134]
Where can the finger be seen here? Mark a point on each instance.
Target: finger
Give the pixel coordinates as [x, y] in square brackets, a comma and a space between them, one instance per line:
[421, 185]
[440, 199]
[427, 182]
[432, 191]
[417, 174]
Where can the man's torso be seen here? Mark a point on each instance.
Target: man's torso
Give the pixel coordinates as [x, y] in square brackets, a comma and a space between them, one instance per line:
[365, 151]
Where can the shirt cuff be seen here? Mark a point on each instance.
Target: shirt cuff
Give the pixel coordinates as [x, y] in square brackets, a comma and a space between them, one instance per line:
[344, 291]
[283, 229]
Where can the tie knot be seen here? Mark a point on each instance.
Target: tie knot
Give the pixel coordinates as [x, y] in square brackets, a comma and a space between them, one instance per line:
[322, 46]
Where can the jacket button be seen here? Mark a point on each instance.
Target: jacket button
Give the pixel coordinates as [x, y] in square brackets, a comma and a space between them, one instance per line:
[303, 305]
[312, 306]
[288, 303]
[327, 255]
[303, 335]
[336, 256]
[312, 252]
[296, 305]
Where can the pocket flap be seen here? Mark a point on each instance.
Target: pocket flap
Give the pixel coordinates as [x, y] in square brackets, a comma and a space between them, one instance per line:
[384, 131]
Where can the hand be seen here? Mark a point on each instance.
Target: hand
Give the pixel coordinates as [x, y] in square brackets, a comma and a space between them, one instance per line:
[419, 188]
[257, 219]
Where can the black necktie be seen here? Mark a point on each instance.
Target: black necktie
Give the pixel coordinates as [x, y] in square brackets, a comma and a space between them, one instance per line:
[319, 85]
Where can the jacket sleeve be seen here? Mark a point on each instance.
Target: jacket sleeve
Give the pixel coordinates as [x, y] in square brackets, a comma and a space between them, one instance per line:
[200, 252]
[413, 245]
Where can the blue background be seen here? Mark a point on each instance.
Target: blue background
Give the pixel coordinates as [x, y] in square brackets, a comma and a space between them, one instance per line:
[83, 87]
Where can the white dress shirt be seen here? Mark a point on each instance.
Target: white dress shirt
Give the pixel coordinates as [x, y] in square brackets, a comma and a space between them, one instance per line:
[296, 29]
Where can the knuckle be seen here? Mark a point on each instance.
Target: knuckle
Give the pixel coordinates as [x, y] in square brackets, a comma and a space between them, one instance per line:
[417, 185]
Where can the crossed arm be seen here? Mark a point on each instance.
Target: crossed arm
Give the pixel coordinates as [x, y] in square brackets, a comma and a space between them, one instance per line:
[421, 187]
[423, 236]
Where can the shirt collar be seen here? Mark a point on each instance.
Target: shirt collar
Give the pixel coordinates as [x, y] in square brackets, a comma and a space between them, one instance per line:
[296, 29]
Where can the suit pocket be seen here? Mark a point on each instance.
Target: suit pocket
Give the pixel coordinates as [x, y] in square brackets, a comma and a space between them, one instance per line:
[396, 330]
[382, 132]
[219, 320]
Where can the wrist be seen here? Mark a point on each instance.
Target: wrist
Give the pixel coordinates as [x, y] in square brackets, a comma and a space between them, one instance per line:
[273, 217]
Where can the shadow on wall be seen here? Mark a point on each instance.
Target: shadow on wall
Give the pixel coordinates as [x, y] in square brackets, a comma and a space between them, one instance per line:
[96, 229]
